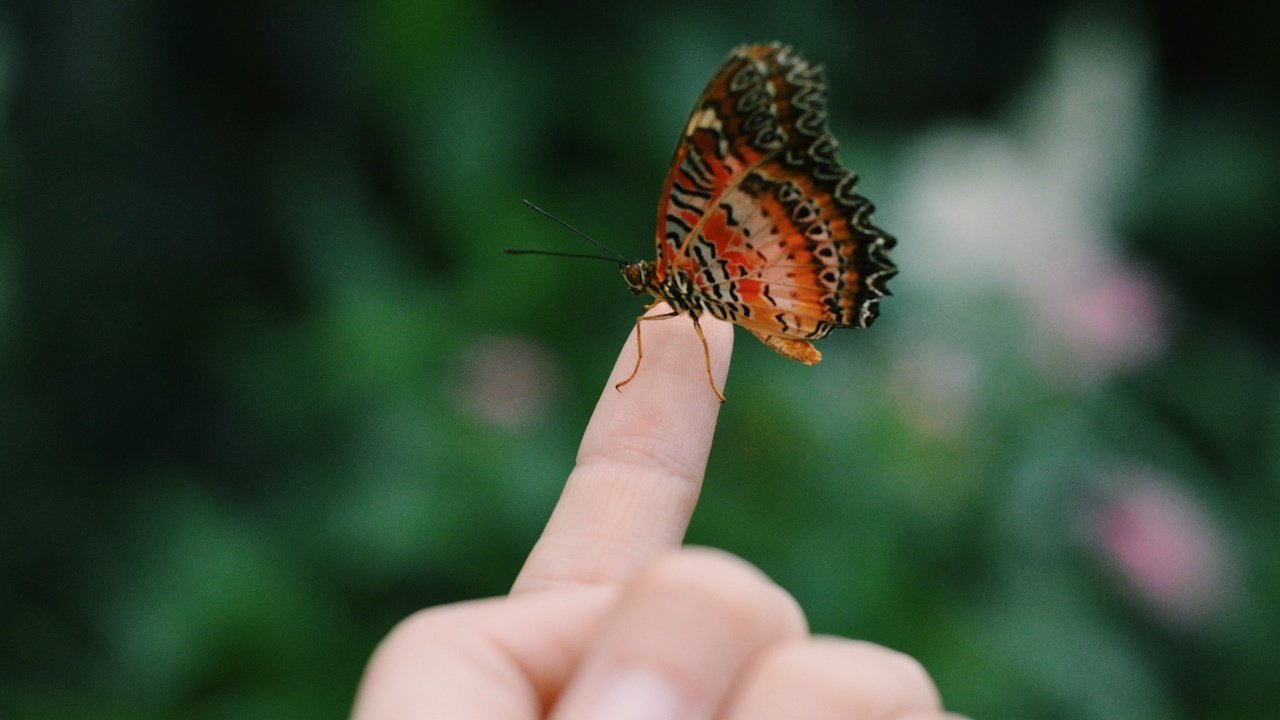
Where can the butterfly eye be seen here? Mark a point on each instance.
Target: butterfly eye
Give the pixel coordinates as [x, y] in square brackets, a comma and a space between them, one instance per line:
[637, 276]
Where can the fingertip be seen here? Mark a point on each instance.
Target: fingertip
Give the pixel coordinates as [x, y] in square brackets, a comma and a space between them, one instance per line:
[640, 465]
[678, 332]
[665, 412]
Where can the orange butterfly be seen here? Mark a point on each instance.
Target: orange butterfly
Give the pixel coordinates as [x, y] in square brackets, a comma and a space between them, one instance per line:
[758, 223]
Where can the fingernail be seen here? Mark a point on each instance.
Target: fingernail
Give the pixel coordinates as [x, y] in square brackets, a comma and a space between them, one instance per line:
[634, 695]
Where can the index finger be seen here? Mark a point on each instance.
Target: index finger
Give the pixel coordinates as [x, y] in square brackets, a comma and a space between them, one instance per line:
[640, 465]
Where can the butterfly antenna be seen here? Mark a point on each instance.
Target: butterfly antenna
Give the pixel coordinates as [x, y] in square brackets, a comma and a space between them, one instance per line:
[517, 251]
[616, 257]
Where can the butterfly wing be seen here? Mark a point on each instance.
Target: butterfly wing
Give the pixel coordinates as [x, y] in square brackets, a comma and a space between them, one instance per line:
[759, 214]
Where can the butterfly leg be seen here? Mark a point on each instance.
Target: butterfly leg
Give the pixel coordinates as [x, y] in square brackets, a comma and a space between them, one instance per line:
[706, 354]
[640, 344]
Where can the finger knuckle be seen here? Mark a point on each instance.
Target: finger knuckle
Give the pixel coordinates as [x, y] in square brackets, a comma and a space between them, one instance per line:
[909, 669]
[727, 587]
[844, 671]
[422, 628]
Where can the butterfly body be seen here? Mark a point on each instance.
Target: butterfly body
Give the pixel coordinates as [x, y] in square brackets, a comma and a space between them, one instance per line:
[758, 223]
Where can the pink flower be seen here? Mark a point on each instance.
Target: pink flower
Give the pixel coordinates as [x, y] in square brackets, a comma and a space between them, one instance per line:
[936, 387]
[1166, 548]
[506, 381]
[1112, 321]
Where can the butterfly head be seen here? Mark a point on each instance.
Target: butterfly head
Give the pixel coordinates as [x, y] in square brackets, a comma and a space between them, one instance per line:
[639, 276]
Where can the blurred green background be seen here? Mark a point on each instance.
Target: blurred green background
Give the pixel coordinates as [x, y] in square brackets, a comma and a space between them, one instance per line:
[267, 384]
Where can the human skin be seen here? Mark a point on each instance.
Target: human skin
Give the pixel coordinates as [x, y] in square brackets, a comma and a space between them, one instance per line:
[611, 618]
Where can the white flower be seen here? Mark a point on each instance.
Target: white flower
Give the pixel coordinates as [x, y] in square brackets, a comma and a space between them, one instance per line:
[1024, 214]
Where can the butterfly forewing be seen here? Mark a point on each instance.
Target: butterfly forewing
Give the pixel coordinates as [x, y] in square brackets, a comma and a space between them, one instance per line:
[760, 216]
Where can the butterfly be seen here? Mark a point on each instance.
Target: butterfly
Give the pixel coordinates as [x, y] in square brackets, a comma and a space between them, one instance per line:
[758, 223]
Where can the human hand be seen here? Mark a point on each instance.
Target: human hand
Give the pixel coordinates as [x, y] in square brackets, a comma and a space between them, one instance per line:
[610, 619]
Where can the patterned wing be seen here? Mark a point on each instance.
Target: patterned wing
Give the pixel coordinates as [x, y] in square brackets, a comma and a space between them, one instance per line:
[760, 216]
